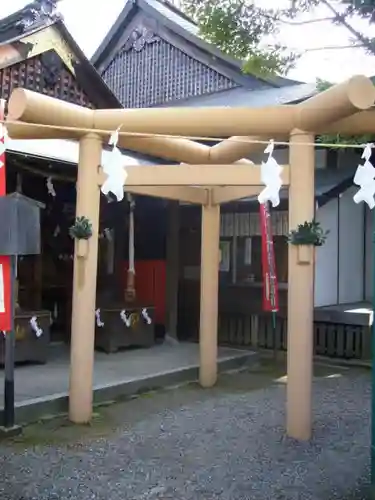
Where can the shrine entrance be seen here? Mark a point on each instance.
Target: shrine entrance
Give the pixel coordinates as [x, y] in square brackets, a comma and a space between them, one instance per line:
[172, 134]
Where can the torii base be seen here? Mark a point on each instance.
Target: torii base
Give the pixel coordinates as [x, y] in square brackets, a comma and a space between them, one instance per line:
[10, 432]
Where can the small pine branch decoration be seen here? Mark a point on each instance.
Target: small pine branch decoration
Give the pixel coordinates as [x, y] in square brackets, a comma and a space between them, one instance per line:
[308, 233]
[81, 229]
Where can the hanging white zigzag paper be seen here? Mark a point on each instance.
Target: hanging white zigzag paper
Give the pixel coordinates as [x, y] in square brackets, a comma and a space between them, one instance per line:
[125, 318]
[99, 322]
[271, 177]
[113, 140]
[50, 187]
[365, 178]
[114, 168]
[107, 234]
[35, 327]
[146, 316]
[3, 140]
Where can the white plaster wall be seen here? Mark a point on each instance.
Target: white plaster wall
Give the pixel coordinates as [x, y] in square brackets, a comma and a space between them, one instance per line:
[368, 252]
[326, 268]
[351, 248]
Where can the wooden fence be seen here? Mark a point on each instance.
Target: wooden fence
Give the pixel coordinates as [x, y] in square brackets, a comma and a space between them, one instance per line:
[336, 337]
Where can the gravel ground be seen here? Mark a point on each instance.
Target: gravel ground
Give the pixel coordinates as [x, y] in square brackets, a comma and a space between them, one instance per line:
[189, 444]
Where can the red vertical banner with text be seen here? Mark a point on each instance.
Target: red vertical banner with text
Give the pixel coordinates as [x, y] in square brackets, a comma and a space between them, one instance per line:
[270, 285]
[5, 275]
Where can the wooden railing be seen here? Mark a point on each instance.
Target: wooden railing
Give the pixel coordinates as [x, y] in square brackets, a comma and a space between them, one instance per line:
[335, 335]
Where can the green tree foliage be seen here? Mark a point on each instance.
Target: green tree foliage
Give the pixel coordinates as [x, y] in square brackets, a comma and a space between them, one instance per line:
[342, 13]
[363, 8]
[238, 27]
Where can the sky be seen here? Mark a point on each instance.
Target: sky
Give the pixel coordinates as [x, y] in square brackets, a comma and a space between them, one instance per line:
[89, 21]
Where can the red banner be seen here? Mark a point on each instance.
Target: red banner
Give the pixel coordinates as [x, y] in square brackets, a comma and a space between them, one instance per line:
[270, 286]
[2, 151]
[5, 285]
[5, 302]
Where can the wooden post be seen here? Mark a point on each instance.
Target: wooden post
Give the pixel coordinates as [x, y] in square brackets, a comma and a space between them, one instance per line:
[300, 290]
[173, 226]
[38, 282]
[210, 256]
[84, 285]
[130, 291]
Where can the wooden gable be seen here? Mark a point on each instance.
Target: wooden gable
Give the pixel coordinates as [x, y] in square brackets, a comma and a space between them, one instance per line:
[159, 74]
[153, 56]
[155, 72]
[44, 73]
[38, 53]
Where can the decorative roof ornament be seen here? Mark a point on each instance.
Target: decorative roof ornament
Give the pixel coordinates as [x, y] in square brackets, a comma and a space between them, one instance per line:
[139, 38]
[38, 12]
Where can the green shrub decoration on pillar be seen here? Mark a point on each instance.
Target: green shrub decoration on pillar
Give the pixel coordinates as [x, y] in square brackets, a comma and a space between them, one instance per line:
[308, 233]
[81, 229]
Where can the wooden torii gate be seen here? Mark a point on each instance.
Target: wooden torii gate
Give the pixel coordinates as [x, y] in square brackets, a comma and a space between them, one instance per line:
[223, 176]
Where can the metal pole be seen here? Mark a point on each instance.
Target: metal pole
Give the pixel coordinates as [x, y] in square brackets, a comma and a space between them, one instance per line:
[10, 339]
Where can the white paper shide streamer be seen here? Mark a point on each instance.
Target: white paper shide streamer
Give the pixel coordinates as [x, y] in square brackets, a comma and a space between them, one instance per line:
[50, 187]
[365, 179]
[114, 168]
[99, 322]
[3, 140]
[35, 327]
[107, 234]
[125, 318]
[146, 316]
[271, 178]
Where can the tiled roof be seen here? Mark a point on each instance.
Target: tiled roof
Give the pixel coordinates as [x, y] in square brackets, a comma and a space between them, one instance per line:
[175, 15]
[241, 97]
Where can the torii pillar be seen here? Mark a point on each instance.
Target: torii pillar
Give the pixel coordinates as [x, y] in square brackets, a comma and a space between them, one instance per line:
[210, 257]
[84, 284]
[300, 289]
